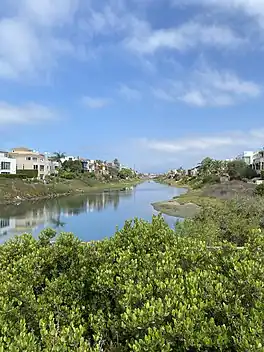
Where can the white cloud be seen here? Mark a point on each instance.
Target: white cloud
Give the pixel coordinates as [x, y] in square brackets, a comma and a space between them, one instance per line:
[29, 42]
[49, 12]
[23, 54]
[192, 149]
[194, 97]
[30, 113]
[129, 93]
[95, 102]
[209, 87]
[185, 37]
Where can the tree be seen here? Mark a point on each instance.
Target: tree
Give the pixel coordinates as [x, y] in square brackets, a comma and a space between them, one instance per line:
[206, 167]
[147, 288]
[72, 166]
[238, 169]
[126, 173]
[58, 156]
[117, 163]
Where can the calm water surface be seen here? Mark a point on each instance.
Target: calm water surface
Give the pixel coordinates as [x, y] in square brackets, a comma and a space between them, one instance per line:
[90, 217]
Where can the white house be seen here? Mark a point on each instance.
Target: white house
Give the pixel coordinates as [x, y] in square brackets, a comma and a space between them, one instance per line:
[247, 157]
[194, 171]
[258, 161]
[69, 158]
[7, 165]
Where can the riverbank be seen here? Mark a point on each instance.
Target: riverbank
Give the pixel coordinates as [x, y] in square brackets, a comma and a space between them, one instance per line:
[16, 190]
[187, 205]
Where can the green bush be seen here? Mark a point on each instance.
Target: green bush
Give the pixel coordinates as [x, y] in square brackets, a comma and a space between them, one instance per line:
[67, 175]
[28, 173]
[13, 176]
[259, 191]
[148, 288]
[211, 179]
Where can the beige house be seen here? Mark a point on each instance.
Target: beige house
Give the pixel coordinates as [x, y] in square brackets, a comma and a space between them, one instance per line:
[27, 159]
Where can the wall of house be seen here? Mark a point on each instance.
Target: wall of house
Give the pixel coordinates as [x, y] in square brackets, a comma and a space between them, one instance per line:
[258, 161]
[7, 165]
[30, 160]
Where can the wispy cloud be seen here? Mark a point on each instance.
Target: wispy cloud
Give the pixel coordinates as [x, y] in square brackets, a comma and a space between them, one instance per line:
[208, 87]
[95, 102]
[49, 12]
[190, 150]
[129, 93]
[183, 38]
[250, 7]
[252, 139]
[30, 113]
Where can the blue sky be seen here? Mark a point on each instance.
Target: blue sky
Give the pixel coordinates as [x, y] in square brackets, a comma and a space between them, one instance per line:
[156, 83]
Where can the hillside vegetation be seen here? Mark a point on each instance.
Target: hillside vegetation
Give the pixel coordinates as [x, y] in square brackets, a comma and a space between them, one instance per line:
[148, 288]
[12, 190]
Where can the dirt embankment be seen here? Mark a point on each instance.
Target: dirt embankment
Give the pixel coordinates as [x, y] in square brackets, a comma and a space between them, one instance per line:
[229, 190]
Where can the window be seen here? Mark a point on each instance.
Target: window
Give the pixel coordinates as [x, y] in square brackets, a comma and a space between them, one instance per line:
[35, 167]
[35, 159]
[5, 173]
[4, 223]
[41, 167]
[5, 165]
[28, 158]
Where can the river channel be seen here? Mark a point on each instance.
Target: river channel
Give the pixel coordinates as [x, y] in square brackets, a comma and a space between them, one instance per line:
[91, 216]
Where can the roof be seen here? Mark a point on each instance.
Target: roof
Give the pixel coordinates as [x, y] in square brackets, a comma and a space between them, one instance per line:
[22, 149]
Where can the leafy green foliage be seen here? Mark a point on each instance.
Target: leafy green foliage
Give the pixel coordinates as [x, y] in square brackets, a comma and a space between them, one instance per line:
[126, 173]
[21, 176]
[28, 173]
[148, 288]
[211, 179]
[238, 169]
[73, 166]
[211, 167]
[259, 191]
[58, 156]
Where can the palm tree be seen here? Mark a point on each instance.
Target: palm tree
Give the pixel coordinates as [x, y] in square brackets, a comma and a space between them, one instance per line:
[117, 163]
[58, 156]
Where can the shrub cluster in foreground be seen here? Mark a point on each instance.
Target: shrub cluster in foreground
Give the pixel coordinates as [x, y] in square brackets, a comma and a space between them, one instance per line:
[149, 288]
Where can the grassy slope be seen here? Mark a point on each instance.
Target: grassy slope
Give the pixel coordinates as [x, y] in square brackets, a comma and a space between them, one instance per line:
[16, 189]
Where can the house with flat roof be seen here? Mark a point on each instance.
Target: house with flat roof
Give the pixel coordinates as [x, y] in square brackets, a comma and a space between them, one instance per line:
[7, 164]
[28, 159]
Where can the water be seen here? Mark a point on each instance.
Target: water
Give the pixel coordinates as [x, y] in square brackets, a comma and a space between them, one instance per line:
[90, 217]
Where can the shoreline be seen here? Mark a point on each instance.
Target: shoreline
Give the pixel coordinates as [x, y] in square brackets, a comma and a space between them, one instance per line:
[188, 204]
[175, 207]
[118, 186]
